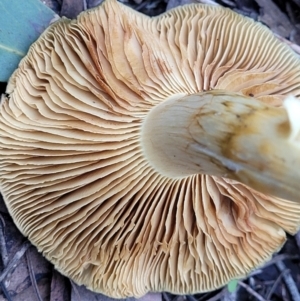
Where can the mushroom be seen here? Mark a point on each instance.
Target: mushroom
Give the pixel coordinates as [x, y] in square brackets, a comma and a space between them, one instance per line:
[153, 154]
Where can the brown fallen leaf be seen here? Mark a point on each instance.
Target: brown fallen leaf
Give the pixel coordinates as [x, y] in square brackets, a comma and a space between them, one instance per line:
[72, 8]
[15, 280]
[60, 287]
[93, 3]
[80, 293]
[151, 297]
[274, 18]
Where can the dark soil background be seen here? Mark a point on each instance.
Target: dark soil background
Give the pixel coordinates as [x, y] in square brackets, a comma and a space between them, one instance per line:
[26, 276]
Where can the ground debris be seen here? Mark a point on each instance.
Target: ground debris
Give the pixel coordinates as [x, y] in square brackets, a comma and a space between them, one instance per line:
[16, 283]
[32, 278]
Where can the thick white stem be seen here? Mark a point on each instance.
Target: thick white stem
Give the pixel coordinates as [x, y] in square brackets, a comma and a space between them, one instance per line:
[229, 135]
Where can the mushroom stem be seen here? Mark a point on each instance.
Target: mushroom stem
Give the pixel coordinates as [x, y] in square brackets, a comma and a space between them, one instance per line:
[228, 135]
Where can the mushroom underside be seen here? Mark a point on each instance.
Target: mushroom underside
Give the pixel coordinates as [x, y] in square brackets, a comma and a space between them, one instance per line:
[73, 171]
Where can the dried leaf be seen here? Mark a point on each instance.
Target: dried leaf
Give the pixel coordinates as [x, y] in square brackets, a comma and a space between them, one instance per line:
[59, 288]
[151, 297]
[80, 293]
[71, 8]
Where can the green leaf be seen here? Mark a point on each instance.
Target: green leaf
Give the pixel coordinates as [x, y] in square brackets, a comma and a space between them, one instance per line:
[21, 23]
[232, 286]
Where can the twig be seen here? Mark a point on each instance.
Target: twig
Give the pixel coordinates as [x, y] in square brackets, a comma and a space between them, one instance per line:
[142, 5]
[279, 258]
[3, 250]
[32, 276]
[219, 295]
[14, 260]
[166, 297]
[272, 290]
[84, 4]
[284, 294]
[231, 296]
[251, 291]
[229, 3]
[5, 291]
[4, 256]
[256, 272]
[191, 298]
[211, 2]
[251, 282]
[289, 281]
[297, 236]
